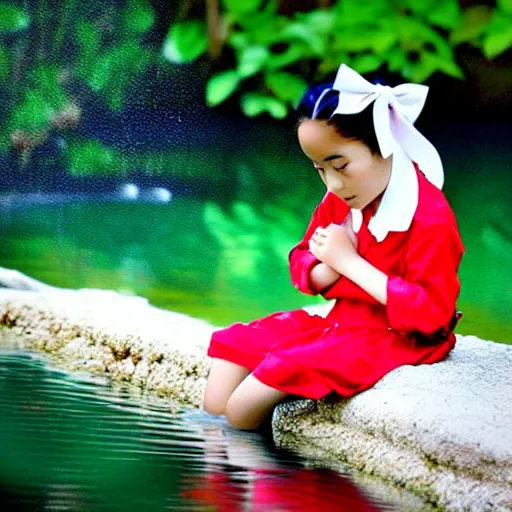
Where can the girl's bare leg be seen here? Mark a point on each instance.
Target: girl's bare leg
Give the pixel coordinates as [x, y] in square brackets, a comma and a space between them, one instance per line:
[251, 402]
[223, 379]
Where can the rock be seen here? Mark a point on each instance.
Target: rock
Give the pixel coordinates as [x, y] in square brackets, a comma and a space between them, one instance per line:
[125, 337]
[443, 430]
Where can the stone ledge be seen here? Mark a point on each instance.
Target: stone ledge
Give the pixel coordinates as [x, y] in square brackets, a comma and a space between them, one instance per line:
[443, 431]
[125, 337]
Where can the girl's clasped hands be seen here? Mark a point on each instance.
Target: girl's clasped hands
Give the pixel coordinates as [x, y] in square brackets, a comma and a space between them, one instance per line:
[335, 245]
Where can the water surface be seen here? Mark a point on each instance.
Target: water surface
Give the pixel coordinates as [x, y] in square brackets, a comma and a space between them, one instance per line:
[77, 443]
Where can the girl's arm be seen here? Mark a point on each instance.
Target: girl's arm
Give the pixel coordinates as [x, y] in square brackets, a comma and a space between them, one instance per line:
[366, 276]
[322, 277]
[424, 299]
[308, 274]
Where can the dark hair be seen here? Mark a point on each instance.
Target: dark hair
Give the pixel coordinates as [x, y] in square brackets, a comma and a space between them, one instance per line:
[353, 126]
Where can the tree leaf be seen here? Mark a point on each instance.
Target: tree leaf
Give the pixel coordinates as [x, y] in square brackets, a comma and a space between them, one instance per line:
[414, 34]
[46, 78]
[317, 42]
[242, 6]
[12, 18]
[445, 14]
[294, 53]
[89, 40]
[320, 21]
[357, 12]
[139, 18]
[186, 42]
[418, 72]
[447, 66]
[505, 6]
[33, 113]
[255, 104]
[498, 37]
[286, 86]
[92, 158]
[221, 86]
[353, 40]
[238, 40]
[384, 39]
[397, 60]
[420, 6]
[251, 60]
[366, 63]
[473, 24]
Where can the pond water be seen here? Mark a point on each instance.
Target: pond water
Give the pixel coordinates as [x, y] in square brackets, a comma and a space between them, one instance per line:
[72, 442]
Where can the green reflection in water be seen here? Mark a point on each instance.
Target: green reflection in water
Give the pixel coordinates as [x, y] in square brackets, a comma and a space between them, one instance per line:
[227, 265]
[70, 442]
[162, 252]
[77, 445]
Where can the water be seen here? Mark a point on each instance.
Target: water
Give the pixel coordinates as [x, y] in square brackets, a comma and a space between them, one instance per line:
[77, 443]
[186, 256]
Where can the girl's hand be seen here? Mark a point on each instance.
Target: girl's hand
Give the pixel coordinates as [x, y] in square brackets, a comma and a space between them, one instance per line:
[334, 245]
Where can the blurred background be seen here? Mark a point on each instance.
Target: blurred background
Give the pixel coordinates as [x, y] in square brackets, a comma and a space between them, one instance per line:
[149, 146]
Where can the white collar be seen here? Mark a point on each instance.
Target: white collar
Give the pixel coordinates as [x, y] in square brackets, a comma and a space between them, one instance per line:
[399, 202]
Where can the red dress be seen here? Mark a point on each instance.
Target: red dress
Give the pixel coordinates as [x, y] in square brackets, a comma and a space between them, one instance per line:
[360, 340]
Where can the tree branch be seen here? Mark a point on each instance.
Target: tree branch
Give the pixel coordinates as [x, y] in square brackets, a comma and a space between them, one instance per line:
[214, 28]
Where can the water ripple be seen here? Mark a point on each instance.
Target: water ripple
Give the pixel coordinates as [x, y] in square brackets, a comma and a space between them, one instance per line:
[78, 443]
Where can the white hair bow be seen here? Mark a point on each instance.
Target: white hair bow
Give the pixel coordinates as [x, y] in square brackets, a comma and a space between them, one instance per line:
[394, 112]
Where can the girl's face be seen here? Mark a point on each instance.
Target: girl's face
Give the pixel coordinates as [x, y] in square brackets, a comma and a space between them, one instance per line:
[346, 166]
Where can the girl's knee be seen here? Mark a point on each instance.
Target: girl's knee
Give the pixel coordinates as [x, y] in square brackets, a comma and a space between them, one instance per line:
[213, 407]
[239, 418]
[223, 379]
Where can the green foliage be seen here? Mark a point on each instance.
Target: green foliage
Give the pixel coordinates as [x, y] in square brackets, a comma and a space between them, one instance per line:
[12, 18]
[185, 42]
[221, 86]
[245, 7]
[286, 86]
[415, 38]
[4, 63]
[473, 25]
[33, 112]
[254, 104]
[248, 235]
[498, 36]
[92, 157]
[108, 66]
[85, 43]
[138, 18]
[42, 97]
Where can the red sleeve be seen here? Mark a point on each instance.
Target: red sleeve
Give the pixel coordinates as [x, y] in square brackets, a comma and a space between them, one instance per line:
[300, 258]
[425, 298]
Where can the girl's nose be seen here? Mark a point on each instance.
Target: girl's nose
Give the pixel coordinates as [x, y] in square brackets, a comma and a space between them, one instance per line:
[333, 182]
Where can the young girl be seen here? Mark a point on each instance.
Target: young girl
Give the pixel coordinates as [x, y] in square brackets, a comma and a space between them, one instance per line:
[383, 242]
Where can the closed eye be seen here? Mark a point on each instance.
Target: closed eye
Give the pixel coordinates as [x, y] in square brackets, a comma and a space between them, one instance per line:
[339, 169]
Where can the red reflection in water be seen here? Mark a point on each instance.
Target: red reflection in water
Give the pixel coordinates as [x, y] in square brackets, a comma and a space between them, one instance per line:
[308, 490]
